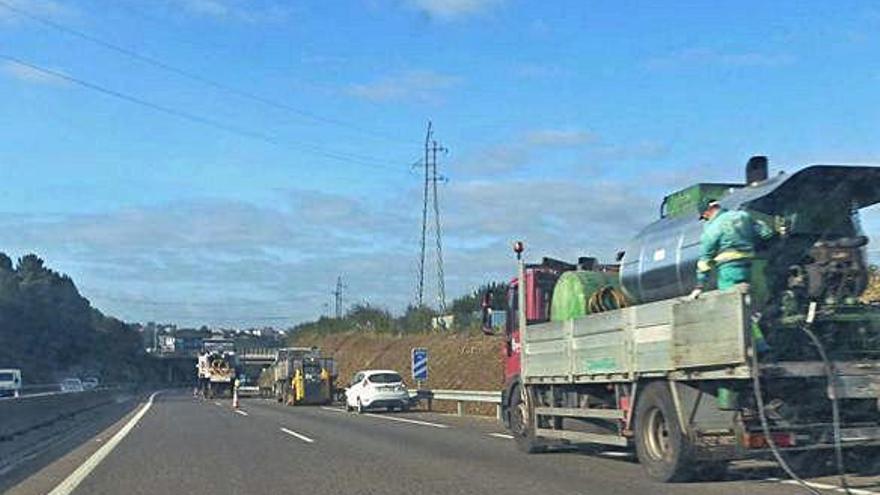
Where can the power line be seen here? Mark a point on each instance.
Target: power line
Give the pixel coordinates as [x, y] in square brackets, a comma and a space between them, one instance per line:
[257, 135]
[193, 76]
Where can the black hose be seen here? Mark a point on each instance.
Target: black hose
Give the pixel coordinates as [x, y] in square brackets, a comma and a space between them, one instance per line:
[835, 408]
[835, 415]
[759, 399]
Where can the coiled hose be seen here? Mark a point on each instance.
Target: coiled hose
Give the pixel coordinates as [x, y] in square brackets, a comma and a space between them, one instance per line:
[606, 298]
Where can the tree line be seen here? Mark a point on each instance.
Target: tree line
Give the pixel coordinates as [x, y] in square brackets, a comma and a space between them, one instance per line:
[50, 331]
[365, 317]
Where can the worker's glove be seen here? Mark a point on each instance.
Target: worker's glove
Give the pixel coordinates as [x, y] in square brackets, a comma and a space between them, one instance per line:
[695, 294]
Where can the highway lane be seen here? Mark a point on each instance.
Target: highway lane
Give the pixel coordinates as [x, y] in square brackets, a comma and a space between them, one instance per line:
[185, 445]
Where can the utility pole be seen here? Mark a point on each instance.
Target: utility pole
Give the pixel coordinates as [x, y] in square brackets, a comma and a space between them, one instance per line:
[337, 294]
[430, 195]
[425, 162]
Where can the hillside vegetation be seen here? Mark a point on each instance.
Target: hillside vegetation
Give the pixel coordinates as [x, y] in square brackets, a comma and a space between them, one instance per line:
[455, 361]
[49, 331]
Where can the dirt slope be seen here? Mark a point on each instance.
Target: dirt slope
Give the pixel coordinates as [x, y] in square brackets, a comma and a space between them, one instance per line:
[454, 361]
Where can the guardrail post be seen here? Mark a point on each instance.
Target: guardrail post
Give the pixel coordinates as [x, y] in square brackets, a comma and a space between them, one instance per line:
[460, 407]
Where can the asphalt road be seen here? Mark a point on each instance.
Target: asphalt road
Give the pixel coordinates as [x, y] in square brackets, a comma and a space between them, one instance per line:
[187, 445]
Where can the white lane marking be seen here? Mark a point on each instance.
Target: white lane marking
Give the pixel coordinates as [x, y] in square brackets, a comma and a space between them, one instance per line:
[615, 453]
[239, 411]
[218, 404]
[405, 420]
[823, 486]
[298, 435]
[71, 482]
[392, 418]
[501, 435]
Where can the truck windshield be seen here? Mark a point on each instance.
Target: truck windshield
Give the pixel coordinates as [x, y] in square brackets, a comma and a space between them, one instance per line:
[6, 377]
[385, 378]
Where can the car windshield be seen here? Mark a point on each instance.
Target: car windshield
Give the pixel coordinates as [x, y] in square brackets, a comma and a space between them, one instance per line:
[385, 378]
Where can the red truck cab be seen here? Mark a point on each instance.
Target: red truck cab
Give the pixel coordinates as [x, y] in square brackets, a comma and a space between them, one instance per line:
[539, 282]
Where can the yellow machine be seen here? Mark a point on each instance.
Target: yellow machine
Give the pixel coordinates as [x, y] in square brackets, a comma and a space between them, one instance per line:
[302, 376]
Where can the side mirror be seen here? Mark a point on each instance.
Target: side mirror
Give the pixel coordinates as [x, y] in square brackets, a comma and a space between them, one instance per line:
[486, 314]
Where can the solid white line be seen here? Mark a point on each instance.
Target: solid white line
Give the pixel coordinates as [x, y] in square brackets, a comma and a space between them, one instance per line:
[239, 411]
[501, 435]
[71, 482]
[298, 435]
[336, 409]
[405, 420]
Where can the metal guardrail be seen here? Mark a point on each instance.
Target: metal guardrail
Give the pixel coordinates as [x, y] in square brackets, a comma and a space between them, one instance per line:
[460, 397]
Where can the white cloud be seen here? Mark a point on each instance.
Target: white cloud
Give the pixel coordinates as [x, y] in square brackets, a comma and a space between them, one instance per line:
[210, 257]
[258, 11]
[561, 137]
[453, 9]
[518, 152]
[418, 86]
[703, 57]
[29, 75]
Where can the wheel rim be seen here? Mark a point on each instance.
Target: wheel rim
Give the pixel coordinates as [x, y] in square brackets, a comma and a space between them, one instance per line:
[656, 435]
[521, 415]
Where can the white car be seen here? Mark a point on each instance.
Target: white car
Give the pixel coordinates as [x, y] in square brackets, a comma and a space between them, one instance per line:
[72, 385]
[10, 382]
[90, 383]
[374, 389]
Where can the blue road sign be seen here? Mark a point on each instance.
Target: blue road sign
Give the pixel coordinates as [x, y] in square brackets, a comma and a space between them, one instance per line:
[420, 364]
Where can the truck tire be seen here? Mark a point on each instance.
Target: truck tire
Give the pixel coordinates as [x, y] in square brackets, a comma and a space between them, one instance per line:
[662, 448]
[522, 421]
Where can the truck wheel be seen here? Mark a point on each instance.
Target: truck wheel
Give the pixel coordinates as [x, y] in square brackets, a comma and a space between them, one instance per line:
[522, 421]
[662, 448]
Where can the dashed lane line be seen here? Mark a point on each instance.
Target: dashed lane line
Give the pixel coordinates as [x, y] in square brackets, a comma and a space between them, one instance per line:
[239, 411]
[406, 420]
[501, 435]
[392, 418]
[71, 482]
[298, 435]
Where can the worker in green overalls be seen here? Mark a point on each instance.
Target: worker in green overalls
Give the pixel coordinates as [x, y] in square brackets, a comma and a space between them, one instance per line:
[728, 244]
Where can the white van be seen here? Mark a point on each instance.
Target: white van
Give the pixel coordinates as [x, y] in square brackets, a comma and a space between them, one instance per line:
[10, 382]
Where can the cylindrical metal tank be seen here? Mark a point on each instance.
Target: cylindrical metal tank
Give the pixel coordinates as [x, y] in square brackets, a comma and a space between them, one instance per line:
[661, 262]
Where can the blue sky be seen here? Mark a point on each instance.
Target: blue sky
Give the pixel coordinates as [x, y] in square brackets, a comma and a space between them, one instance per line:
[566, 122]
